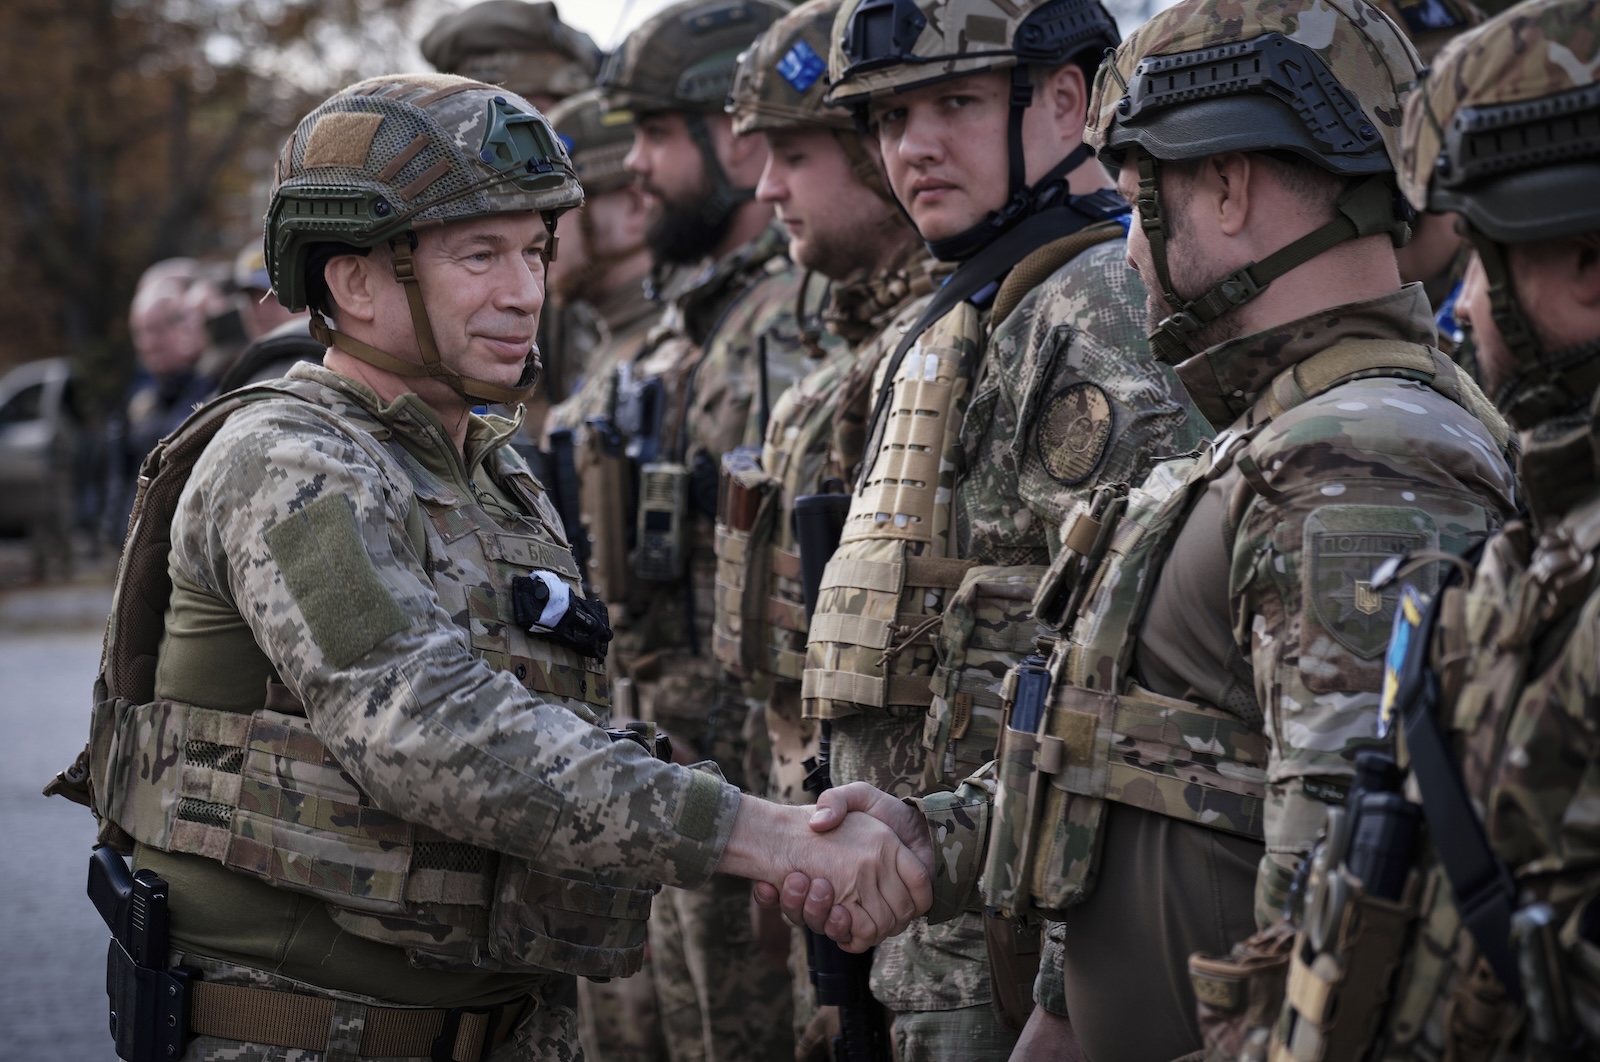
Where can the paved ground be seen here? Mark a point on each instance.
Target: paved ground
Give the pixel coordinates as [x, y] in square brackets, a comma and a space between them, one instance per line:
[52, 977]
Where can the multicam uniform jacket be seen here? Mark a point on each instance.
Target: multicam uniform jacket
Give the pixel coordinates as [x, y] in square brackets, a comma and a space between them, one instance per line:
[1064, 397]
[312, 551]
[1263, 606]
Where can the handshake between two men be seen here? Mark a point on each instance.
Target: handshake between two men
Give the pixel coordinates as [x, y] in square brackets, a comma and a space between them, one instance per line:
[857, 866]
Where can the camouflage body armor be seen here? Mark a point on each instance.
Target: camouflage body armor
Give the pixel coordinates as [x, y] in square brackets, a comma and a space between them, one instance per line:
[1493, 679]
[1093, 734]
[259, 793]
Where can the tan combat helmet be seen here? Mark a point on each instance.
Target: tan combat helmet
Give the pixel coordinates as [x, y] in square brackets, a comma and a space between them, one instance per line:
[682, 60]
[520, 46]
[881, 47]
[1431, 24]
[386, 156]
[1505, 132]
[782, 83]
[596, 139]
[1323, 79]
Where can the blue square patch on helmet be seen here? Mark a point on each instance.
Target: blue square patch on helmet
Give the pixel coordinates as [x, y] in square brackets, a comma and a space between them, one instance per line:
[801, 66]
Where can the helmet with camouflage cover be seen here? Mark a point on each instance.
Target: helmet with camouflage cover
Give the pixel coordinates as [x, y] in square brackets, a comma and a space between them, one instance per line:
[1320, 79]
[520, 46]
[1431, 24]
[392, 154]
[782, 84]
[682, 60]
[881, 47]
[1505, 131]
[597, 140]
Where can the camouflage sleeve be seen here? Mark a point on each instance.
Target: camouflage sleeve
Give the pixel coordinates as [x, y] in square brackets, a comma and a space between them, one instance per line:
[1366, 471]
[959, 825]
[392, 687]
[1069, 398]
[1050, 986]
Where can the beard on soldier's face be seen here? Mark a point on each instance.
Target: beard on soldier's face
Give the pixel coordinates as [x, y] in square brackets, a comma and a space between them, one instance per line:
[680, 233]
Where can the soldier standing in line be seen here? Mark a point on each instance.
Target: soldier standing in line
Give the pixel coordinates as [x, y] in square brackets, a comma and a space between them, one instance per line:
[1023, 386]
[600, 277]
[1219, 631]
[826, 184]
[728, 335]
[349, 703]
[1482, 903]
[526, 48]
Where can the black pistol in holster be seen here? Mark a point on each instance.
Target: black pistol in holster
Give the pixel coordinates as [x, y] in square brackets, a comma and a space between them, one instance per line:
[841, 979]
[149, 1000]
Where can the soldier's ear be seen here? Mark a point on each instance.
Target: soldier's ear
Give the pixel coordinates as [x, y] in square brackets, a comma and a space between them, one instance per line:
[1064, 91]
[352, 281]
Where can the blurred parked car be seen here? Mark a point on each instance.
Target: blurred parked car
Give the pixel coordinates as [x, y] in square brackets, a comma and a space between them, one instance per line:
[39, 435]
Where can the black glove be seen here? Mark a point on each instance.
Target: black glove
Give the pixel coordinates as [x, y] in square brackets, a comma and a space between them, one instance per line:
[578, 623]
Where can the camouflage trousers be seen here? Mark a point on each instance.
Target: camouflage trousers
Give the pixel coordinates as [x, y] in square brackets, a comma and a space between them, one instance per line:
[547, 1033]
[970, 1034]
[721, 999]
[618, 1021]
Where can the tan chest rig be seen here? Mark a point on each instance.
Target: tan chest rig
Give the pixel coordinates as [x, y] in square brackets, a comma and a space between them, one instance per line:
[262, 795]
[883, 589]
[1100, 736]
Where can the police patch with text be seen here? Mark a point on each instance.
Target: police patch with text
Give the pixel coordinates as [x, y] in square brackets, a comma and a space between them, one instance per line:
[1343, 544]
[1074, 428]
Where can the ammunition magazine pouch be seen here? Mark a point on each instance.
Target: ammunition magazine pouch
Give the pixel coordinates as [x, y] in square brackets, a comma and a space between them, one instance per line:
[987, 627]
[605, 496]
[1336, 994]
[760, 626]
[1183, 760]
[1238, 997]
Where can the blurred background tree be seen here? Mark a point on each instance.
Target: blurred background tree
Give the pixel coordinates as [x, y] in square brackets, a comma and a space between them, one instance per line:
[135, 130]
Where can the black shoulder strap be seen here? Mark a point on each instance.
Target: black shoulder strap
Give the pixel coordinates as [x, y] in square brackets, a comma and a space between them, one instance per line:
[1485, 893]
[981, 270]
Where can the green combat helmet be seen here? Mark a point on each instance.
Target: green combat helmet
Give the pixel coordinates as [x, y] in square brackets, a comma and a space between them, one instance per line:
[782, 84]
[1323, 79]
[1505, 131]
[388, 155]
[881, 47]
[523, 47]
[596, 139]
[683, 60]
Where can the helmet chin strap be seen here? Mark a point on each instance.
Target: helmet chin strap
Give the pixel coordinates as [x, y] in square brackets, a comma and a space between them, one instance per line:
[724, 197]
[473, 390]
[1545, 384]
[1366, 209]
[1022, 199]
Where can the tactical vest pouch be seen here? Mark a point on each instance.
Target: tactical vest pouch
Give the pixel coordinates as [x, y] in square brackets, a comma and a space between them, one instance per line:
[987, 628]
[604, 493]
[1238, 997]
[744, 531]
[1336, 996]
[1168, 756]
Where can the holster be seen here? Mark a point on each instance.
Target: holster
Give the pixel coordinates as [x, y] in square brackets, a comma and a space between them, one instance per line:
[1014, 948]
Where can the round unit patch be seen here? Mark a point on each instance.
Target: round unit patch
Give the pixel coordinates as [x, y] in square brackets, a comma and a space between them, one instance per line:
[1073, 430]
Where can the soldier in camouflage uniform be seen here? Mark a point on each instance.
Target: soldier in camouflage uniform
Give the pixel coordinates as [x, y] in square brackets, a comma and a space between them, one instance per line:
[825, 183]
[361, 747]
[728, 335]
[1490, 942]
[1024, 386]
[1218, 631]
[528, 49]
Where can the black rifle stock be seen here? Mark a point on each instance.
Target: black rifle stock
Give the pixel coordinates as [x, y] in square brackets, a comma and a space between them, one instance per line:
[842, 980]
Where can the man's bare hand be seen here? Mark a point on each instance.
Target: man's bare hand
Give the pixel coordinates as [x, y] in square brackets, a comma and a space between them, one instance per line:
[870, 871]
[813, 901]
